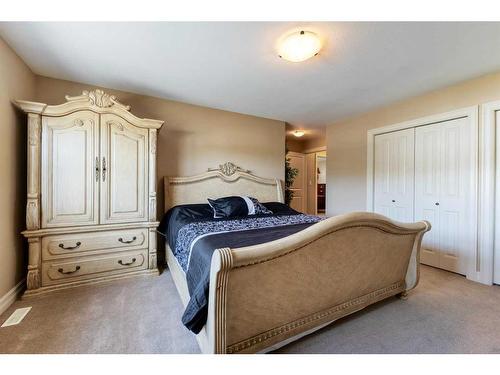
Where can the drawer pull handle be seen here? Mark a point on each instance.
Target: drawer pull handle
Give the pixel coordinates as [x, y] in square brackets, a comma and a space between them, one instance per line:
[132, 240]
[61, 245]
[60, 270]
[127, 264]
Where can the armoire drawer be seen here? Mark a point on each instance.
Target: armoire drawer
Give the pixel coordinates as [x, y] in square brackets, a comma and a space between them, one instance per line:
[56, 272]
[69, 245]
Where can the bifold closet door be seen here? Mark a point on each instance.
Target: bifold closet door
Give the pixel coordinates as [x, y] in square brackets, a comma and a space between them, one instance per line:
[444, 169]
[394, 175]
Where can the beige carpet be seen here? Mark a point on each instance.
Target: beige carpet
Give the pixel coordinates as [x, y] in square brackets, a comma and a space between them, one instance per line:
[445, 314]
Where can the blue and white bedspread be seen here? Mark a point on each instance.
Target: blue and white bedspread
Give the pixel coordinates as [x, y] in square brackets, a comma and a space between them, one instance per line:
[197, 241]
[189, 234]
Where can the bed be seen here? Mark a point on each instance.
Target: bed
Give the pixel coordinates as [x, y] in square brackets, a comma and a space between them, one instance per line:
[261, 297]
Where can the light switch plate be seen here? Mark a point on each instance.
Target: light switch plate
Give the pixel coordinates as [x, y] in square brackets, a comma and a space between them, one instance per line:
[16, 317]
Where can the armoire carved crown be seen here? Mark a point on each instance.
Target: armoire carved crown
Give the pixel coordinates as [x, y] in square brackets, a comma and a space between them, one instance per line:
[98, 98]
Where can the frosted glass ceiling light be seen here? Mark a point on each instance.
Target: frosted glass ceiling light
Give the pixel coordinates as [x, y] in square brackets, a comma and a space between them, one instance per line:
[299, 46]
[298, 133]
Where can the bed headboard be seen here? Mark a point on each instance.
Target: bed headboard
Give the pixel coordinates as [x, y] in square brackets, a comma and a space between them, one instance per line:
[224, 181]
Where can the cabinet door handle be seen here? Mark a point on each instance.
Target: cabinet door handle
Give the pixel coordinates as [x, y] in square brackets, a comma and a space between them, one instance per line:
[96, 169]
[393, 201]
[60, 270]
[129, 241]
[104, 169]
[61, 245]
[437, 203]
[127, 264]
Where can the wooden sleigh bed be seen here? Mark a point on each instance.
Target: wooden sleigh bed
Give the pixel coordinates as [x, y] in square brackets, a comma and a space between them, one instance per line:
[264, 296]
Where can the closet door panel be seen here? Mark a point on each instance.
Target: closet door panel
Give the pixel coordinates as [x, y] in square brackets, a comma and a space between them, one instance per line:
[394, 175]
[382, 188]
[69, 154]
[444, 175]
[429, 253]
[456, 199]
[427, 185]
[124, 151]
[451, 236]
[404, 177]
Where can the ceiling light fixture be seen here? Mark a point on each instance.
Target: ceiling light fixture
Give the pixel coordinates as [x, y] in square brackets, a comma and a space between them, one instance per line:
[298, 133]
[299, 46]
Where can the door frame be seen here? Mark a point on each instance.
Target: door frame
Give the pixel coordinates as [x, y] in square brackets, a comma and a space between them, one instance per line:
[312, 188]
[314, 151]
[481, 184]
[490, 204]
[326, 185]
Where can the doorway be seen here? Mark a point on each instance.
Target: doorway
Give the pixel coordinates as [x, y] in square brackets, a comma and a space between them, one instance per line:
[309, 186]
[316, 182]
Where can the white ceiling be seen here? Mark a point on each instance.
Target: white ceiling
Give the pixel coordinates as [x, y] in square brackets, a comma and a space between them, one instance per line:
[234, 66]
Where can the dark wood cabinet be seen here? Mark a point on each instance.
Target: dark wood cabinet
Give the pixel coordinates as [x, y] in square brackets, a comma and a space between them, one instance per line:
[321, 194]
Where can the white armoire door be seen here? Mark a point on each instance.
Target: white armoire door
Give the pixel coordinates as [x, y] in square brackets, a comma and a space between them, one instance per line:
[394, 175]
[124, 168]
[69, 186]
[444, 171]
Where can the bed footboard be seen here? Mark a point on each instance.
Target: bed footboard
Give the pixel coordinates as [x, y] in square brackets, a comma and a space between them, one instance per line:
[266, 295]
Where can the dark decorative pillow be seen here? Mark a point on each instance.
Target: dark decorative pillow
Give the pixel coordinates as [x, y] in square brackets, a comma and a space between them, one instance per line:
[228, 207]
[258, 208]
[237, 206]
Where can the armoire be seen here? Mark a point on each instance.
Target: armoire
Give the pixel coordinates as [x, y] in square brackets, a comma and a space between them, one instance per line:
[431, 169]
[91, 192]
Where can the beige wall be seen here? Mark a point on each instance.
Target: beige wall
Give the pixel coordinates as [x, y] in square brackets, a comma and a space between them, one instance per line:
[194, 138]
[312, 145]
[16, 82]
[346, 140]
[295, 145]
[306, 145]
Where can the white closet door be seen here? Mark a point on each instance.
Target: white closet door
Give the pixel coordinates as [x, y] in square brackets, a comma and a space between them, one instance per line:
[124, 152]
[394, 175]
[444, 193]
[69, 183]
[427, 185]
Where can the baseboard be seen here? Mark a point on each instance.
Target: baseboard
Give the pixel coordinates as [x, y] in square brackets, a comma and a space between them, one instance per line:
[9, 297]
